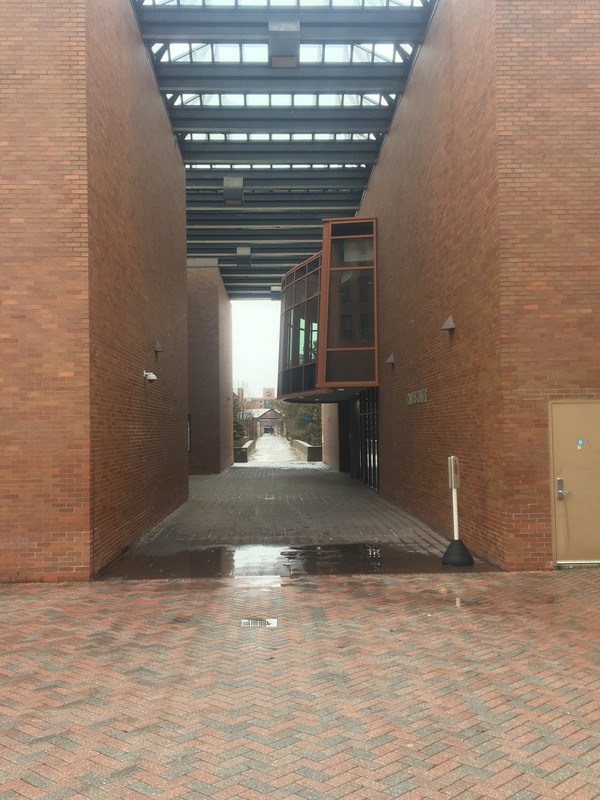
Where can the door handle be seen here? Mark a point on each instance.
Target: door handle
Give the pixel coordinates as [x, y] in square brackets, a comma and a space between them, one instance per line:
[561, 492]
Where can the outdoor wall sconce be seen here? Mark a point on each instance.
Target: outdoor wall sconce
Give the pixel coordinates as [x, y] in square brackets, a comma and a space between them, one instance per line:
[158, 348]
[449, 325]
[150, 376]
[390, 359]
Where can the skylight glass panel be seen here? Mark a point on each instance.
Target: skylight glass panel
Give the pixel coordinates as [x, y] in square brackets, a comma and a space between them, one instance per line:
[337, 53]
[305, 99]
[257, 99]
[362, 54]
[281, 99]
[179, 51]
[302, 137]
[211, 100]
[255, 53]
[330, 99]
[324, 136]
[227, 53]
[232, 99]
[202, 53]
[259, 137]
[384, 52]
[311, 53]
[188, 99]
[237, 137]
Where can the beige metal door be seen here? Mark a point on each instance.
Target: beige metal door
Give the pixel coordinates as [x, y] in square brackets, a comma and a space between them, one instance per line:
[576, 481]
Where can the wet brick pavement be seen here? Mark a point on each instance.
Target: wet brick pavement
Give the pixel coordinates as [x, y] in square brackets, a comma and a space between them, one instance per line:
[423, 687]
[300, 504]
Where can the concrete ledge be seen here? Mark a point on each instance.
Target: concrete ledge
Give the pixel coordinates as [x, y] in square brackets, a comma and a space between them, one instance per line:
[307, 452]
[242, 454]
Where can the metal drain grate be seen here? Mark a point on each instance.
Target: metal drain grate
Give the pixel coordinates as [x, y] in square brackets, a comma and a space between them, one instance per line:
[258, 623]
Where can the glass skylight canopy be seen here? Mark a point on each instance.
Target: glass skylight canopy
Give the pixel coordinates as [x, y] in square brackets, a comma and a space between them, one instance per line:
[280, 108]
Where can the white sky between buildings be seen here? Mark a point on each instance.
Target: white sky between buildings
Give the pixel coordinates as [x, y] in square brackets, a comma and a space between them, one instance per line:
[255, 345]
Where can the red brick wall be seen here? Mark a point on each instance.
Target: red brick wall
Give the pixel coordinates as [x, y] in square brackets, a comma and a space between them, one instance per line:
[210, 372]
[549, 171]
[137, 288]
[44, 379]
[487, 205]
[435, 195]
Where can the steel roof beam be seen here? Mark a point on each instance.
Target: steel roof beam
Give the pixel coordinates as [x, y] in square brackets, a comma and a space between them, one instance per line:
[296, 119]
[269, 179]
[266, 247]
[258, 79]
[215, 223]
[263, 294]
[227, 215]
[278, 203]
[250, 25]
[297, 152]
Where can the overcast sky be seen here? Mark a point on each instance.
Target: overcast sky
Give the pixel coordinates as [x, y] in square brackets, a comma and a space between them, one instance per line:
[255, 345]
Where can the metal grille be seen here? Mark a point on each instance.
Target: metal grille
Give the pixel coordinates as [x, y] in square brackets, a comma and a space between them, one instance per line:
[258, 623]
[369, 438]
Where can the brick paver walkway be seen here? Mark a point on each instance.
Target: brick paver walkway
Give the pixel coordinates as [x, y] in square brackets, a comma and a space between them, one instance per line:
[423, 687]
[299, 504]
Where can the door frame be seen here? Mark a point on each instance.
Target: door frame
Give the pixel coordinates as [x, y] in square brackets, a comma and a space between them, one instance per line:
[551, 403]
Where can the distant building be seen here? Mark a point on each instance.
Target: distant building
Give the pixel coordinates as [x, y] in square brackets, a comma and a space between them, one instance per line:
[265, 421]
[246, 403]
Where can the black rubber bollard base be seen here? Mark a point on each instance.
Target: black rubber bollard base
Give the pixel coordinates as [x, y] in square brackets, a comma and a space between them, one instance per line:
[457, 555]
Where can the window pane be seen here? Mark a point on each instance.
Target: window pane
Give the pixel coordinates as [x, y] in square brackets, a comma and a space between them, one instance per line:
[300, 293]
[352, 252]
[289, 322]
[312, 327]
[298, 331]
[351, 309]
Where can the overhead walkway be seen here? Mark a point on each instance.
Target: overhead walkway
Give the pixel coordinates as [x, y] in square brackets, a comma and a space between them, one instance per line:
[283, 518]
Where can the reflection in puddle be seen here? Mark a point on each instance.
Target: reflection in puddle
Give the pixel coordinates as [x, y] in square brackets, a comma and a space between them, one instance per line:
[181, 559]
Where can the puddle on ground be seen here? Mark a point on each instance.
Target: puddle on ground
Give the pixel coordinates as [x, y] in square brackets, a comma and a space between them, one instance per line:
[181, 559]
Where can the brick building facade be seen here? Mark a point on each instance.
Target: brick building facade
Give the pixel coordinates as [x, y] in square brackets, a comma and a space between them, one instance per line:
[92, 276]
[487, 212]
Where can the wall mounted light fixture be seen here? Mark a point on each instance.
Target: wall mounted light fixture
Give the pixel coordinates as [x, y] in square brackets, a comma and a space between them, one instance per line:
[150, 376]
[390, 359]
[449, 325]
